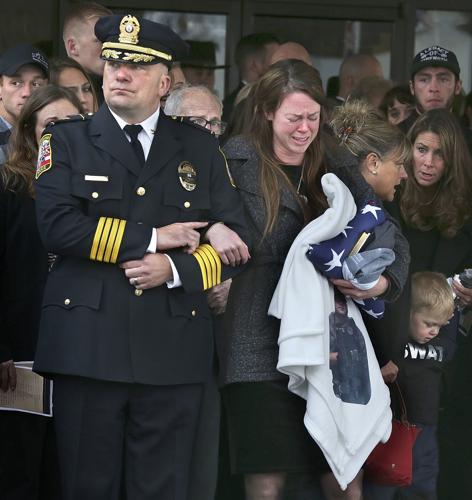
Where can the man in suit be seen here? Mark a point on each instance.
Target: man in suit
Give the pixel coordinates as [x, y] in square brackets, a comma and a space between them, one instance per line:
[200, 105]
[252, 56]
[125, 329]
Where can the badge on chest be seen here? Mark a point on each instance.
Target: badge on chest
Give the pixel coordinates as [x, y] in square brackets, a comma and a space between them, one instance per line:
[187, 176]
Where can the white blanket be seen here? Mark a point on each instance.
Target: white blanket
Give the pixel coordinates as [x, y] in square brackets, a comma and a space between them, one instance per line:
[303, 300]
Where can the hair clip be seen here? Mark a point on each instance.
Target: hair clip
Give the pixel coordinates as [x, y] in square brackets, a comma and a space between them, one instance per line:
[345, 133]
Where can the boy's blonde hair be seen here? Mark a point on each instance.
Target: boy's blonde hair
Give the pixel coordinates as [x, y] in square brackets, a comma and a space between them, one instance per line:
[431, 292]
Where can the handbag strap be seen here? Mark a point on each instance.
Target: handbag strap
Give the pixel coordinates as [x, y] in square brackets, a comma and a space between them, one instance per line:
[404, 415]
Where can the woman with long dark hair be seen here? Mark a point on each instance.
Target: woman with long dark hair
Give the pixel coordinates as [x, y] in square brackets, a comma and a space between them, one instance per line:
[434, 206]
[438, 195]
[69, 74]
[436, 210]
[277, 169]
[23, 270]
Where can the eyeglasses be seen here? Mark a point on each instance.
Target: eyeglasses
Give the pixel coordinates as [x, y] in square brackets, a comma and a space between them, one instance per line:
[216, 126]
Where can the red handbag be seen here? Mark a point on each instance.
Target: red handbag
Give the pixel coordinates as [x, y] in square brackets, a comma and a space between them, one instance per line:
[391, 463]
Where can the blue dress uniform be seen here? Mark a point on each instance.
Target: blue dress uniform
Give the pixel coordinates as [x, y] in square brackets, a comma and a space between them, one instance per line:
[96, 207]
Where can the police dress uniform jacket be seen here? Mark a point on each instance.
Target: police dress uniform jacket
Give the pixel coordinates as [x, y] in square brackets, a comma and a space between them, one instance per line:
[96, 208]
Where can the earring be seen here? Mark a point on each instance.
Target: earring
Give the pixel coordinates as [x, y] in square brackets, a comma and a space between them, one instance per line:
[373, 172]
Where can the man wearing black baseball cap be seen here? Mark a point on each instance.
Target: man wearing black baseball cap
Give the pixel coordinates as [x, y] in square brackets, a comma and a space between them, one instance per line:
[435, 81]
[23, 69]
[126, 331]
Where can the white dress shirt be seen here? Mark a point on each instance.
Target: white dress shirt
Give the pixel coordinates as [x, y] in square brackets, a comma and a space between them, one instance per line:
[145, 137]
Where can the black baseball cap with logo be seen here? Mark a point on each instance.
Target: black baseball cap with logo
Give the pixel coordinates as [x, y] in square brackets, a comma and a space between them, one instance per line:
[435, 56]
[20, 55]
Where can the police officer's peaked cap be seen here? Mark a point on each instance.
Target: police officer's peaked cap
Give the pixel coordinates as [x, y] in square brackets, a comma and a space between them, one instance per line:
[19, 55]
[136, 40]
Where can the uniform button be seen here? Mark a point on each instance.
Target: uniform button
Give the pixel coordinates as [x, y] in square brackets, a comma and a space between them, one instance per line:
[140, 191]
[138, 293]
[67, 302]
[95, 195]
[187, 204]
[194, 313]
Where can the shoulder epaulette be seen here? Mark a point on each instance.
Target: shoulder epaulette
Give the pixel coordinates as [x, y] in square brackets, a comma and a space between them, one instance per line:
[71, 119]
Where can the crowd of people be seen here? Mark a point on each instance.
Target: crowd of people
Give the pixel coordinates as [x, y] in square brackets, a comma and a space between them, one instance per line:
[229, 295]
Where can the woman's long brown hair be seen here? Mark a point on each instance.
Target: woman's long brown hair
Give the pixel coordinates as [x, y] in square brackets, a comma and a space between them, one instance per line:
[282, 79]
[449, 206]
[58, 65]
[18, 171]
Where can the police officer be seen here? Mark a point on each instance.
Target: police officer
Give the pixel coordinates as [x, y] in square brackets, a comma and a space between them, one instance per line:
[125, 329]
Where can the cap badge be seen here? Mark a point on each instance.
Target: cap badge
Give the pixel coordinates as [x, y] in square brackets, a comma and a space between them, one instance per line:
[129, 30]
[40, 59]
[187, 176]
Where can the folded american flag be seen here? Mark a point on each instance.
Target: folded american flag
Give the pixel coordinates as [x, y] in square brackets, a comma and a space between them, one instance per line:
[330, 256]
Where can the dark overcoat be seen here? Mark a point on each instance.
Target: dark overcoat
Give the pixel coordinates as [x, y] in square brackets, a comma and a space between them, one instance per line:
[23, 271]
[247, 346]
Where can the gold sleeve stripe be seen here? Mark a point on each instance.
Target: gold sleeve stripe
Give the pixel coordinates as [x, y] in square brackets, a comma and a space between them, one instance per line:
[111, 239]
[210, 265]
[203, 270]
[216, 263]
[96, 238]
[104, 239]
[107, 239]
[206, 269]
[119, 237]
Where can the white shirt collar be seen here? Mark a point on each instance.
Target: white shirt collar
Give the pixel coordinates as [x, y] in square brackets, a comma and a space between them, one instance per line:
[149, 124]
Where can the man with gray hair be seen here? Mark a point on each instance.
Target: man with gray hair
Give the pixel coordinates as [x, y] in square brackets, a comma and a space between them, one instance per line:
[199, 104]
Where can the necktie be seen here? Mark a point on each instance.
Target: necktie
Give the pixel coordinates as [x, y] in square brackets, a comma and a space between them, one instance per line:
[133, 131]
